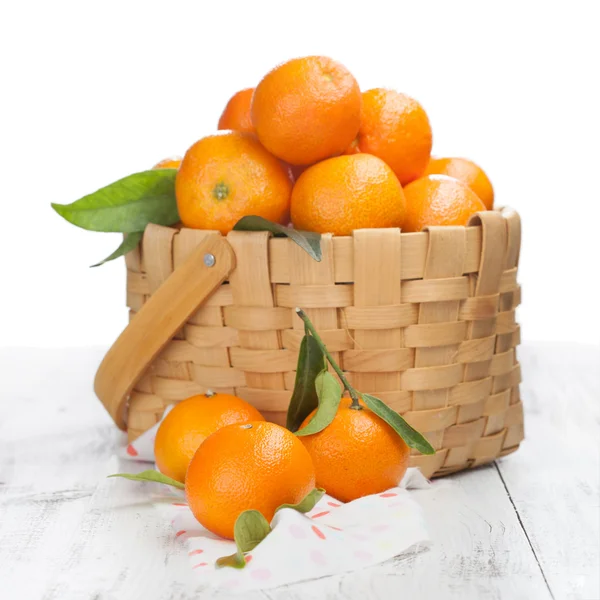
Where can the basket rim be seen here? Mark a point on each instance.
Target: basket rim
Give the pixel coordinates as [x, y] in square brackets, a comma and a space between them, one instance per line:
[505, 211]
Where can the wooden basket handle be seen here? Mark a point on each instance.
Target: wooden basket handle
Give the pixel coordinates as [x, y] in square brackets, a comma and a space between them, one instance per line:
[167, 310]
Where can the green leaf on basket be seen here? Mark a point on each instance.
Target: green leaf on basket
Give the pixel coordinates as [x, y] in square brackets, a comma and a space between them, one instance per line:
[309, 241]
[307, 503]
[329, 393]
[129, 243]
[151, 475]
[311, 361]
[250, 529]
[127, 205]
[411, 436]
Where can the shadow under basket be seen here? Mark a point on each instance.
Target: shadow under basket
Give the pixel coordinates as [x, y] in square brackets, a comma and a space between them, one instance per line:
[424, 321]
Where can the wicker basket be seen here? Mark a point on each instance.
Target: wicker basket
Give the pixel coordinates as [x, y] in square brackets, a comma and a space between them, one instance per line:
[425, 321]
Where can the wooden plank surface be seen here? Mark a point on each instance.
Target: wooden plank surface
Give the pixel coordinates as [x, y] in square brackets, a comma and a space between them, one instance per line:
[524, 528]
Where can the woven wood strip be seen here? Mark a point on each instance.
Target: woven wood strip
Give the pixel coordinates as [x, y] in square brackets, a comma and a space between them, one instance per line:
[477, 350]
[211, 337]
[314, 296]
[508, 280]
[380, 317]
[497, 403]
[311, 280]
[257, 318]
[212, 377]
[479, 308]
[171, 370]
[485, 284]
[431, 378]
[251, 287]
[157, 248]
[377, 262]
[137, 283]
[432, 420]
[391, 360]
[182, 351]
[435, 290]
[263, 361]
[432, 335]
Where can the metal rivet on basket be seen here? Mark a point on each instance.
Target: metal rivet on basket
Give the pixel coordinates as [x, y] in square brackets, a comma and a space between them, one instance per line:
[209, 260]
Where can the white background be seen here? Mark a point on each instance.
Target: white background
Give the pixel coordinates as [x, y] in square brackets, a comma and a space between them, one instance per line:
[94, 91]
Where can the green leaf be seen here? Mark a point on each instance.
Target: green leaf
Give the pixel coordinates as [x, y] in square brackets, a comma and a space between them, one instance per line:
[151, 475]
[250, 529]
[309, 241]
[129, 243]
[311, 361]
[127, 205]
[411, 436]
[307, 503]
[329, 393]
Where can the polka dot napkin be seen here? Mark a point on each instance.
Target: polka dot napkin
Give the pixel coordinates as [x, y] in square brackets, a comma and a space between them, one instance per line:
[332, 538]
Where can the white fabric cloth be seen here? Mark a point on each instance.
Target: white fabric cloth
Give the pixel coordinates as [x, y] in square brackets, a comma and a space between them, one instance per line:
[332, 538]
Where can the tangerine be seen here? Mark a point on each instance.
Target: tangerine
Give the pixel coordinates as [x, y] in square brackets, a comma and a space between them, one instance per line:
[439, 200]
[395, 128]
[307, 109]
[257, 465]
[236, 114]
[227, 176]
[345, 193]
[466, 171]
[168, 163]
[357, 454]
[190, 422]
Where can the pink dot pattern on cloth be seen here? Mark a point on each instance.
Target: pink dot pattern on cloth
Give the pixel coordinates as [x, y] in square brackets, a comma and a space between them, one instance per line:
[297, 531]
[318, 557]
[261, 574]
[321, 514]
[131, 450]
[363, 554]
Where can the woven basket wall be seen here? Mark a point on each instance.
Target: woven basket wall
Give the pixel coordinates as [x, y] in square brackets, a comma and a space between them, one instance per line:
[425, 321]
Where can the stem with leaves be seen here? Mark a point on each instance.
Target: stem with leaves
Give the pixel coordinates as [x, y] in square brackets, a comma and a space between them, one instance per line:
[310, 327]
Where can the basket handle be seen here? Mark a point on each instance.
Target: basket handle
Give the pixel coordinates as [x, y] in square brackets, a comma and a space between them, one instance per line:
[151, 329]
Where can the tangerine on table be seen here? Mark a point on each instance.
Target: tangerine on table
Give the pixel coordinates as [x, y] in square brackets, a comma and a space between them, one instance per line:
[227, 176]
[345, 193]
[439, 200]
[357, 454]
[466, 171]
[307, 109]
[236, 115]
[168, 163]
[190, 422]
[395, 128]
[257, 465]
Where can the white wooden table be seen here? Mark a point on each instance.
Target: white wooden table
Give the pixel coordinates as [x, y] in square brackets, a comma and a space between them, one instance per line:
[525, 527]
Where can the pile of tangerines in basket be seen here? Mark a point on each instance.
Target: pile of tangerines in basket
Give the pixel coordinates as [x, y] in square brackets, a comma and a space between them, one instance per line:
[306, 143]
[305, 148]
